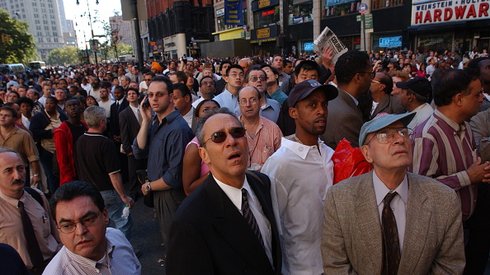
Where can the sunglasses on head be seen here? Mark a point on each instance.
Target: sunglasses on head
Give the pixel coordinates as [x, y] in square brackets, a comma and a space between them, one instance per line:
[220, 136]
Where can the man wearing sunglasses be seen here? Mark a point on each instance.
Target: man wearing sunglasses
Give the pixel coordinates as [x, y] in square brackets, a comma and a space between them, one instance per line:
[90, 247]
[227, 225]
[301, 171]
[389, 221]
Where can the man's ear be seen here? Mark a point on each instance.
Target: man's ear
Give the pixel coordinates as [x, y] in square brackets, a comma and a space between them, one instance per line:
[293, 112]
[203, 153]
[365, 153]
[105, 215]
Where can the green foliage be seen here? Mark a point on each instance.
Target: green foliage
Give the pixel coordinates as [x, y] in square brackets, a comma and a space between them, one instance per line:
[124, 49]
[64, 56]
[17, 45]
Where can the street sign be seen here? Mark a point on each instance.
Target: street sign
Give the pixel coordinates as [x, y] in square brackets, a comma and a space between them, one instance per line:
[369, 20]
[363, 8]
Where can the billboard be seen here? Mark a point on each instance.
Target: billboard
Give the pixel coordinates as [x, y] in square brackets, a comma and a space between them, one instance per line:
[390, 42]
[435, 12]
[233, 12]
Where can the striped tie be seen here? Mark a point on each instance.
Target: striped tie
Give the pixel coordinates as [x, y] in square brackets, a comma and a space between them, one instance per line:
[249, 217]
[391, 244]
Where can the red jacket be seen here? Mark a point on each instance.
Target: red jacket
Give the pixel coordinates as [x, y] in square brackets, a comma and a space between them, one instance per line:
[63, 142]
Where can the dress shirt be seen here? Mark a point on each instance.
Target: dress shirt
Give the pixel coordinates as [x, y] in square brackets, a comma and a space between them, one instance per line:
[26, 122]
[422, 113]
[21, 141]
[118, 259]
[398, 204]
[235, 196]
[189, 116]
[12, 233]
[227, 100]
[263, 143]
[279, 96]
[270, 110]
[444, 150]
[300, 177]
[136, 113]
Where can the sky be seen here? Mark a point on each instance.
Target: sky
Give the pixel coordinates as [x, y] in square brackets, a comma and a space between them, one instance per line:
[100, 12]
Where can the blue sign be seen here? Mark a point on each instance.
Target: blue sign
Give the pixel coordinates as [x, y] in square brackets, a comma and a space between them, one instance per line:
[233, 12]
[337, 2]
[390, 42]
[308, 46]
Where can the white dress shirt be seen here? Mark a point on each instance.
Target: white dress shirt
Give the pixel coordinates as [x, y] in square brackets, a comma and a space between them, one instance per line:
[300, 177]
[398, 204]
[235, 196]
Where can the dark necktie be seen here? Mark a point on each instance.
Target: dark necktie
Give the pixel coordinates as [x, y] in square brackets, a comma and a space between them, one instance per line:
[32, 244]
[249, 216]
[391, 244]
[117, 106]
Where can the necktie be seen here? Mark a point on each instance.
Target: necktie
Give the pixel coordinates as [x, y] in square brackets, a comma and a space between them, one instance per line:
[249, 216]
[138, 116]
[391, 245]
[117, 106]
[32, 244]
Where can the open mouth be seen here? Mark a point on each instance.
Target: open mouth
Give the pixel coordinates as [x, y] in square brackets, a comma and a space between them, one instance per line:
[235, 156]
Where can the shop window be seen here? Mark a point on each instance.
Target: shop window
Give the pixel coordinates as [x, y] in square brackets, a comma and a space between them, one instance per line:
[300, 11]
[339, 7]
[266, 17]
[380, 4]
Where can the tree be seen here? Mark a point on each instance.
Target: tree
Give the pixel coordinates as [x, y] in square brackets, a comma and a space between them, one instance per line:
[124, 49]
[17, 45]
[64, 56]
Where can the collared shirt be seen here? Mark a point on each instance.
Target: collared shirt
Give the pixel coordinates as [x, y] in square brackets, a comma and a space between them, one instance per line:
[22, 142]
[227, 100]
[422, 113]
[26, 122]
[136, 113]
[119, 259]
[235, 196]
[165, 148]
[300, 177]
[11, 229]
[279, 96]
[189, 116]
[263, 143]
[270, 109]
[398, 204]
[444, 150]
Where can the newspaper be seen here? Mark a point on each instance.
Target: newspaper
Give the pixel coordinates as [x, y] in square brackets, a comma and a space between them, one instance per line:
[328, 39]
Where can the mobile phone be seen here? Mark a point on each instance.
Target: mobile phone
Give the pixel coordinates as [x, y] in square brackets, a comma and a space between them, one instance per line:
[146, 103]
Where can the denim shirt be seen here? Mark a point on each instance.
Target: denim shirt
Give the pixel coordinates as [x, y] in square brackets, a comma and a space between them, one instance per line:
[165, 148]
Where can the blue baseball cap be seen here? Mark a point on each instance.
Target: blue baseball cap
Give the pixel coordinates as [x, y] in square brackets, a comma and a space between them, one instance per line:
[381, 121]
[302, 90]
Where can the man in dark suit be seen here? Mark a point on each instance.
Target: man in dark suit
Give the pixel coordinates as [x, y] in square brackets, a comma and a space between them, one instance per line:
[120, 103]
[353, 73]
[227, 225]
[129, 125]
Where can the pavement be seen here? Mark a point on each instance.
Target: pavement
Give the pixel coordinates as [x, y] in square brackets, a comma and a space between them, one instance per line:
[146, 238]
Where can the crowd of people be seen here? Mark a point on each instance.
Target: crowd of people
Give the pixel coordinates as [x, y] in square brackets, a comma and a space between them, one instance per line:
[236, 156]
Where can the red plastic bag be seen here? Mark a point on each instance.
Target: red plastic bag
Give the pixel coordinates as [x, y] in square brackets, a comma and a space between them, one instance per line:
[348, 162]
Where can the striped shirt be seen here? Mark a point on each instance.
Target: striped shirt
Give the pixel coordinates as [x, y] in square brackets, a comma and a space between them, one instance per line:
[119, 259]
[444, 150]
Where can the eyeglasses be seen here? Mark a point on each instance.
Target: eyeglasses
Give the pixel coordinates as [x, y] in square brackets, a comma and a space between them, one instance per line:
[147, 79]
[388, 135]
[220, 136]
[254, 78]
[236, 75]
[373, 73]
[87, 221]
[252, 100]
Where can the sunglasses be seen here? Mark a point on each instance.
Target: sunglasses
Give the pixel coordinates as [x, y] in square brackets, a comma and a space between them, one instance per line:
[220, 136]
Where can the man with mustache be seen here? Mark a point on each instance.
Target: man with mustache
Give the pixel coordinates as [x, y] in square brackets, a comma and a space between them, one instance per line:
[301, 171]
[26, 225]
[90, 247]
[389, 221]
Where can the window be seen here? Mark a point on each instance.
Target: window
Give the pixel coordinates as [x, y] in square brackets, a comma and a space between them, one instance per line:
[340, 7]
[266, 17]
[379, 4]
[300, 11]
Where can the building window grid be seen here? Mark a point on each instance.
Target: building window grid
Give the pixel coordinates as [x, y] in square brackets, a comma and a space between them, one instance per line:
[340, 9]
[381, 4]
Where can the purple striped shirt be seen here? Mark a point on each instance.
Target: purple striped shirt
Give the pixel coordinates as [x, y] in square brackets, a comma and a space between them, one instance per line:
[444, 150]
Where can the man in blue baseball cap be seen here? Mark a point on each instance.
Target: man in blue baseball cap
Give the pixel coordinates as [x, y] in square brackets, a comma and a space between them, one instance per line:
[390, 221]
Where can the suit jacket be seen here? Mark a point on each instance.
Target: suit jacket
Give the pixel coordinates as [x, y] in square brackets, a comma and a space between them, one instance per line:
[389, 104]
[129, 127]
[344, 121]
[114, 117]
[210, 236]
[433, 240]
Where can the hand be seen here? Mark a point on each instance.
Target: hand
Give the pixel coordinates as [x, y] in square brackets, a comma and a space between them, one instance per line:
[145, 188]
[127, 201]
[479, 172]
[145, 111]
[327, 56]
[35, 179]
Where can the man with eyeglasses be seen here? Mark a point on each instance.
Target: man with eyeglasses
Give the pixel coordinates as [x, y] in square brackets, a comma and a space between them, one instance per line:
[227, 225]
[143, 86]
[89, 246]
[301, 171]
[353, 74]
[26, 223]
[390, 221]
[382, 101]
[207, 89]
[444, 146]
[269, 108]
[234, 81]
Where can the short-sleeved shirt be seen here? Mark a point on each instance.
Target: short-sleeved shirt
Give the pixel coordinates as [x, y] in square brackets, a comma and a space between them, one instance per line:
[21, 141]
[97, 157]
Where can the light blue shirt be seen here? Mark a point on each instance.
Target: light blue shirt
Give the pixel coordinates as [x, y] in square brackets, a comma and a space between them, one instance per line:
[398, 204]
[227, 100]
[270, 110]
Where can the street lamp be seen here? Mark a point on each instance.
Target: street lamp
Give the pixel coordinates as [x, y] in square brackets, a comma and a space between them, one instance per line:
[93, 45]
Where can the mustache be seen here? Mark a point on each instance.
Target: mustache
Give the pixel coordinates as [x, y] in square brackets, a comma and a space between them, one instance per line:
[18, 181]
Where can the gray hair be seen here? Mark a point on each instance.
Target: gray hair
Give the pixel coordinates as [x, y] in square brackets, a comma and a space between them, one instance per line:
[202, 121]
[94, 115]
